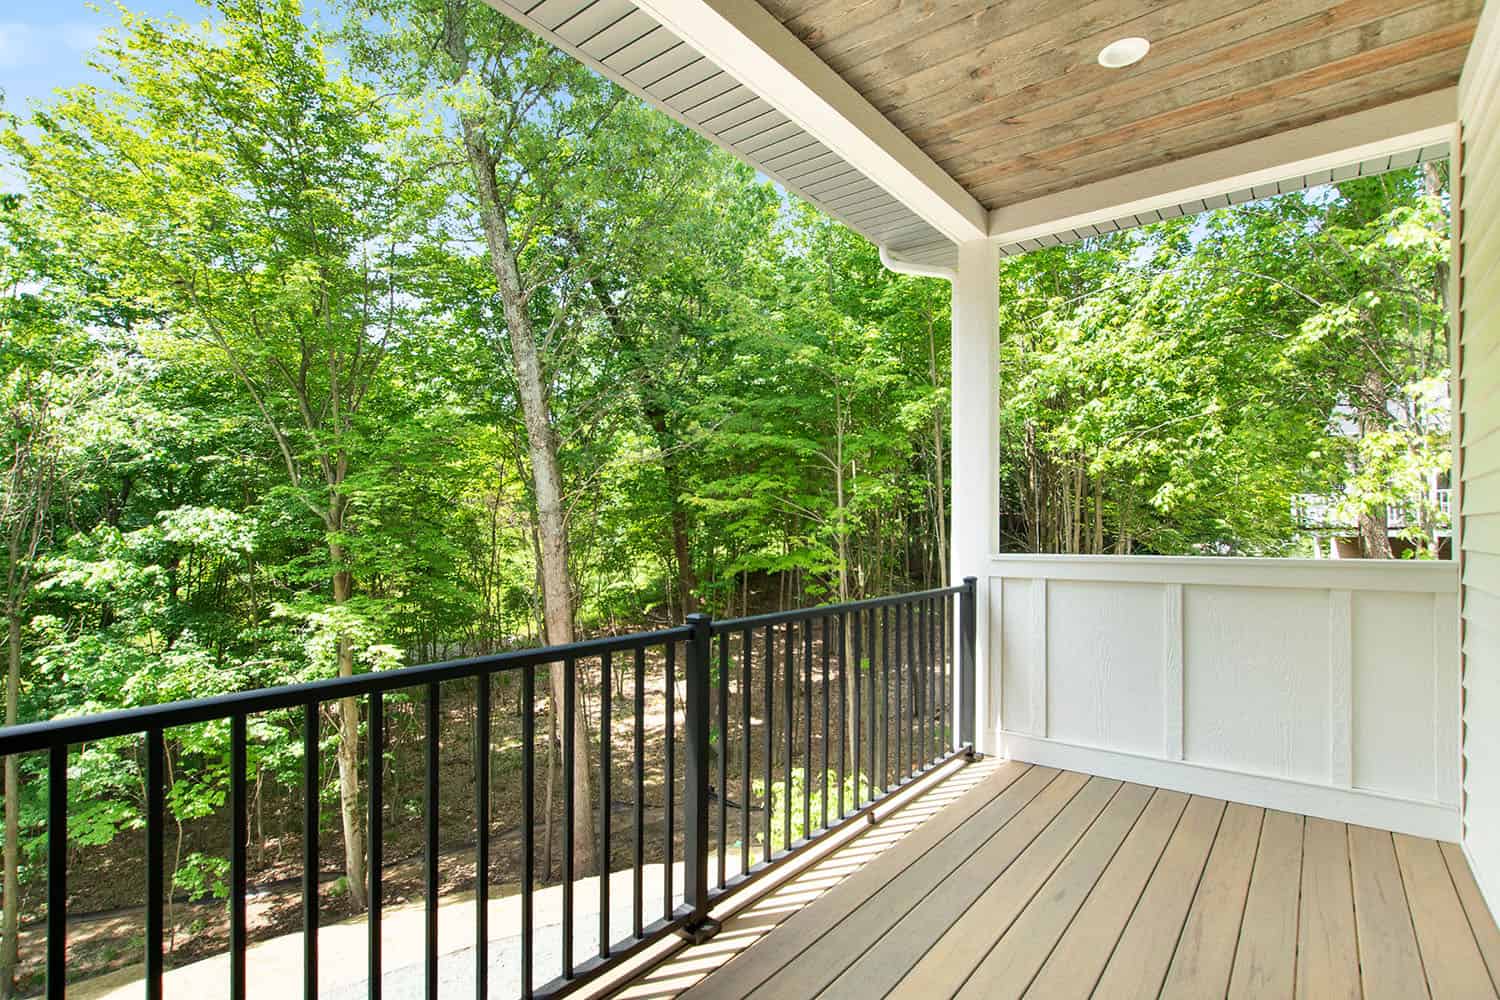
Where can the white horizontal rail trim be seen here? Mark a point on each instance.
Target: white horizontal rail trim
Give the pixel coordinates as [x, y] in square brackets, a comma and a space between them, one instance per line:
[1386, 812]
[1409, 576]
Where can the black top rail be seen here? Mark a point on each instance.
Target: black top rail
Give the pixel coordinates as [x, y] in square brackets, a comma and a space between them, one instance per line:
[32, 736]
[903, 705]
[721, 625]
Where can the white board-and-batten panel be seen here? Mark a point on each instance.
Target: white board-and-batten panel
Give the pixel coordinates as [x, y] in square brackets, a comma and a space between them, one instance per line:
[1476, 183]
[1302, 676]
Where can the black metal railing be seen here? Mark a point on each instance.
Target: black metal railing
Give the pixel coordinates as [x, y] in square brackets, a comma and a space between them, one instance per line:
[843, 703]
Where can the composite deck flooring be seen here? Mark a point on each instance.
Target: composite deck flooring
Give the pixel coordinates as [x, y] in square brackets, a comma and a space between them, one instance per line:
[1044, 883]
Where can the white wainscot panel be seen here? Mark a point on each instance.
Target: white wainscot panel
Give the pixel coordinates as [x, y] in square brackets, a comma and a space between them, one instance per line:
[1018, 606]
[1105, 651]
[1394, 692]
[1256, 680]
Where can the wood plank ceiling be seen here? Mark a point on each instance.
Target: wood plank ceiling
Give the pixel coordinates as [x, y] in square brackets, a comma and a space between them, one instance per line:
[1008, 96]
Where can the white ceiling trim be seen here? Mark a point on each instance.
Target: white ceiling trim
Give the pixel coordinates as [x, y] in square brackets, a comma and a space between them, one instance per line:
[756, 49]
[1267, 163]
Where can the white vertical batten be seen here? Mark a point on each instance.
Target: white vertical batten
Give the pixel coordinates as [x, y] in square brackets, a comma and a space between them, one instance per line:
[975, 417]
[1171, 670]
[1039, 656]
[1340, 688]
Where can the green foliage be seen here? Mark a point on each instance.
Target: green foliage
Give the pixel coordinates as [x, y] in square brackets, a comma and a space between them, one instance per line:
[787, 795]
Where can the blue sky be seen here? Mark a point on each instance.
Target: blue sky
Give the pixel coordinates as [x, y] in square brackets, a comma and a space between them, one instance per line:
[43, 43]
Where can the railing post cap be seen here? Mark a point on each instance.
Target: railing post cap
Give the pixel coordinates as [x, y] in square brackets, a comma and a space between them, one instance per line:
[970, 581]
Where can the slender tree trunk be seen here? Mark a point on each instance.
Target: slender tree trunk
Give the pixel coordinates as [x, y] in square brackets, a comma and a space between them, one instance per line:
[10, 946]
[1374, 534]
[348, 727]
[939, 495]
[687, 579]
[546, 473]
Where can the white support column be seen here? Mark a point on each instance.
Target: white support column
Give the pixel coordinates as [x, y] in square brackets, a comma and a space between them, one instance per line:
[975, 454]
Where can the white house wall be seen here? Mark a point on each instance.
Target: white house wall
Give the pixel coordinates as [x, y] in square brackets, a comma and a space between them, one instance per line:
[1477, 185]
[1329, 688]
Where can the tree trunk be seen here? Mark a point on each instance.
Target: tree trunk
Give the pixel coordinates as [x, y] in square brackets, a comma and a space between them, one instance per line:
[10, 945]
[1374, 534]
[939, 495]
[687, 579]
[348, 751]
[546, 473]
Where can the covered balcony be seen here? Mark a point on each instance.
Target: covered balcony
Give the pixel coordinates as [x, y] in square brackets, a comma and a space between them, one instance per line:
[1064, 775]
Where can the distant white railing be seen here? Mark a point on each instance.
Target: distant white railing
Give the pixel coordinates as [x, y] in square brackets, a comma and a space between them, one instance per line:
[1315, 512]
[1325, 687]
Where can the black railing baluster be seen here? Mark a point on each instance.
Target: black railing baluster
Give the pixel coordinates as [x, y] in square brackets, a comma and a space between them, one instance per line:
[807, 719]
[569, 713]
[606, 793]
[745, 645]
[639, 858]
[57, 872]
[156, 779]
[911, 693]
[968, 615]
[790, 707]
[935, 666]
[859, 719]
[843, 627]
[239, 834]
[932, 681]
[770, 755]
[923, 667]
[883, 711]
[310, 851]
[669, 785]
[528, 822]
[827, 734]
[943, 668]
[723, 790]
[376, 765]
[430, 792]
[695, 841]
[482, 841]
[900, 653]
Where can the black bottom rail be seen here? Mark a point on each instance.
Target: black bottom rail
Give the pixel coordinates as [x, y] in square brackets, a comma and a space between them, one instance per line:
[800, 721]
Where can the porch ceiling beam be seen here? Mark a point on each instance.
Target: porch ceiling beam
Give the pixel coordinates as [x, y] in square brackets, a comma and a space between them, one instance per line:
[749, 44]
[1397, 127]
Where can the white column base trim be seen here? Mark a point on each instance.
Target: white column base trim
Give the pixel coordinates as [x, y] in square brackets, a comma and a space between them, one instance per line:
[1344, 805]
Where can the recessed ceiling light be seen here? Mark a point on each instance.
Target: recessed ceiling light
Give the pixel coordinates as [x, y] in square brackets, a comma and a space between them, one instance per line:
[1124, 52]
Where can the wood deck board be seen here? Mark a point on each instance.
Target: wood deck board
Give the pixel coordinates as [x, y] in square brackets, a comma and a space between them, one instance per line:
[1017, 956]
[993, 888]
[1146, 946]
[1055, 884]
[1389, 963]
[1450, 954]
[1205, 950]
[1327, 958]
[1079, 958]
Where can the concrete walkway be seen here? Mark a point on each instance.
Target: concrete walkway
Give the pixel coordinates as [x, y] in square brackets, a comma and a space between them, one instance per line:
[275, 966]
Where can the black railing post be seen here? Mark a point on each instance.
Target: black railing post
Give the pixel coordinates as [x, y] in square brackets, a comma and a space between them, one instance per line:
[968, 617]
[695, 861]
